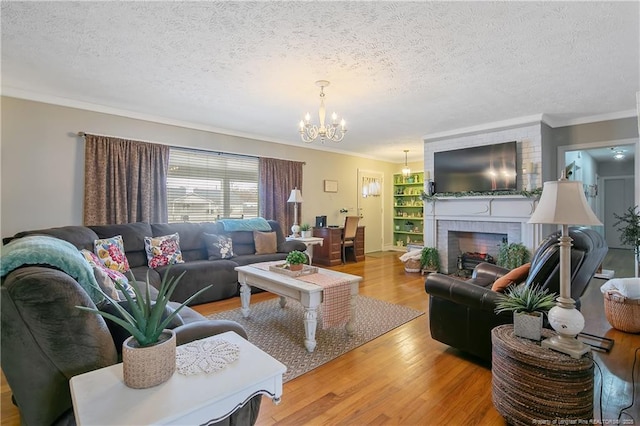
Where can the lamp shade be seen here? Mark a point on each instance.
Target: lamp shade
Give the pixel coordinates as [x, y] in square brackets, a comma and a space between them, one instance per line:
[295, 197]
[563, 203]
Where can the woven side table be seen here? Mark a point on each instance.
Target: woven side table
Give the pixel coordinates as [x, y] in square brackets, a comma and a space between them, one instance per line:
[535, 385]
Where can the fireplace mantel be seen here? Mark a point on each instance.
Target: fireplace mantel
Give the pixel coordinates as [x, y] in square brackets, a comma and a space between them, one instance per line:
[515, 208]
[506, 214]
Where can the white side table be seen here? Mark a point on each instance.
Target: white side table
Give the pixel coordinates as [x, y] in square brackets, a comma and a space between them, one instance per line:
[100, 397]
[309, 242]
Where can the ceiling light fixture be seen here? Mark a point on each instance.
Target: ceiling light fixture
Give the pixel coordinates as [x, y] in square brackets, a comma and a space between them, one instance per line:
[619, 155]
[406, 171]
[334, 131]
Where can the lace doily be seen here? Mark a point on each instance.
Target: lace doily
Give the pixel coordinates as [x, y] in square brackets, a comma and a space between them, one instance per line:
[205, 356]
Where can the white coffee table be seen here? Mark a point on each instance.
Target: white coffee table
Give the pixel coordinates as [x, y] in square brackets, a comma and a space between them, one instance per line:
[309, 242]
[309, 295]
[100, 397]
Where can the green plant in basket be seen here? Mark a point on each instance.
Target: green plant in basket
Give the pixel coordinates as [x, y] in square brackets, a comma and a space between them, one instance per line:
[430, 259]
[145, 322]
[296, 257]
[525, 298]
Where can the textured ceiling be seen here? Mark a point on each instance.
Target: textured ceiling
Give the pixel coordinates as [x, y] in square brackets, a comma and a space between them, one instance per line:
[398, 70]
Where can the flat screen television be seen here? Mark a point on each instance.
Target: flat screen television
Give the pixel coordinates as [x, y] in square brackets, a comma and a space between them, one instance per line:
[484, 168]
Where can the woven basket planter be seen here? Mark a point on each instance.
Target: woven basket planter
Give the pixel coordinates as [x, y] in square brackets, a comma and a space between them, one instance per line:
[412, 265]
[621, 312]
[151, 365]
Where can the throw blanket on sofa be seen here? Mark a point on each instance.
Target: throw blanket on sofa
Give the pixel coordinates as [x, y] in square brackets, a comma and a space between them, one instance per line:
[253, 224]
[45, 250]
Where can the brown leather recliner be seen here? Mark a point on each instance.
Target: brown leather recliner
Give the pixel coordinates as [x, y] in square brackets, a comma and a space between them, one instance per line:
[461, 313]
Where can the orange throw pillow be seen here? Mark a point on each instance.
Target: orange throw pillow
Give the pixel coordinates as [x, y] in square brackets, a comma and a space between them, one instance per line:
[515, 276]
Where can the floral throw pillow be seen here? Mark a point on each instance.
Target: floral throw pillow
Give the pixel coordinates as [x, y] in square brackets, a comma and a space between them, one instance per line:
[163, 250]
[100, 270]
[111, 253]
[218, 246]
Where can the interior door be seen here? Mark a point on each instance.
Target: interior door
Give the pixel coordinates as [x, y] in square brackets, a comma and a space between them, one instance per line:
[370, 208]
[618, 197]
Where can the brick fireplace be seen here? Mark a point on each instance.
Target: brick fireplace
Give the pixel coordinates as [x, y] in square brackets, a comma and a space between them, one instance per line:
[478, 224]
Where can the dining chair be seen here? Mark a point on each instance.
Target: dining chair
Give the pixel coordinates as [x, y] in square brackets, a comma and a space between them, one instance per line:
[349, 236]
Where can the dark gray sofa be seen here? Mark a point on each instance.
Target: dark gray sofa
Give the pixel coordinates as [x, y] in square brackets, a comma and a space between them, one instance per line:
[200, 271]
[46, 340]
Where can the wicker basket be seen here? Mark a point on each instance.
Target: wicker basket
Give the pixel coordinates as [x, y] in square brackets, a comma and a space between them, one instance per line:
[412, 265]
[621, 312]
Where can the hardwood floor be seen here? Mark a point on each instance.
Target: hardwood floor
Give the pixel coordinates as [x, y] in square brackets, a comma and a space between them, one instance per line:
[406, 378]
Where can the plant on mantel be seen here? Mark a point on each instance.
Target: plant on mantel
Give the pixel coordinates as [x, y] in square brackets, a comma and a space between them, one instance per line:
[434, 197]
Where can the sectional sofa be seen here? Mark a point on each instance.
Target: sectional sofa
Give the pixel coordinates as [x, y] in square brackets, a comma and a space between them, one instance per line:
[201, 268]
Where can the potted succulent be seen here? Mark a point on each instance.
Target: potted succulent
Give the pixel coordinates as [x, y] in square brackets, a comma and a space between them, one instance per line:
[295, 260]
[149, 354]
[305, 229]
[512, 255]
[630, 232]
[430, 259]
[528, 304]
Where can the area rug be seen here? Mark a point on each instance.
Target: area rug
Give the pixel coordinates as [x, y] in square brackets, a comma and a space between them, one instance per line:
[280, 332]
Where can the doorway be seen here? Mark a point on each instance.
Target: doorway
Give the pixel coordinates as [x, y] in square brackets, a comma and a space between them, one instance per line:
[609, 172]
[370, 208]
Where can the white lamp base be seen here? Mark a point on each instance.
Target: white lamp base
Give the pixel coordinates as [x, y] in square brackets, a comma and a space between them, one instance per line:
[567, 345]
[295, 230]
[567, 321]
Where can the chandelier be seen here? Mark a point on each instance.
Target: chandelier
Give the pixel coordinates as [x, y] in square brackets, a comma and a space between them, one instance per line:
[334, 131]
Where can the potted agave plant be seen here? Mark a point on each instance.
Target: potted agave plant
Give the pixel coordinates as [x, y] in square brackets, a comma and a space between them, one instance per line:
[149, 354]
[528, 304]
[305, 230]
[296, 260]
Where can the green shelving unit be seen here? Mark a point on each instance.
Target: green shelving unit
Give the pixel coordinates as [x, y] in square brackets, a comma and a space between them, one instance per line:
[408, 217]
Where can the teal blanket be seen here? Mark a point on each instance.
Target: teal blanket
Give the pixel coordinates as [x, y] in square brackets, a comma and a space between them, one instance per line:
[45, 250]
[253, 224]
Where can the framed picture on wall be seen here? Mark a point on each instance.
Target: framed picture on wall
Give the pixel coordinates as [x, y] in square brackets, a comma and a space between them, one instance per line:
[330, 186]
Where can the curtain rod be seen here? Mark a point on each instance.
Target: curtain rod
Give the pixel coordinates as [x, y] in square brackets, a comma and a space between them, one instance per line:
[84, 134]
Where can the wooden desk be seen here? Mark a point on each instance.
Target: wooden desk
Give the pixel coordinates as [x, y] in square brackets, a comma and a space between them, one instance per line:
[330, 253]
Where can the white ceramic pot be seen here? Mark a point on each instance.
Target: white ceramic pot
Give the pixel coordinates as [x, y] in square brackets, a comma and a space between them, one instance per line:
[149, 366]
[306, 234]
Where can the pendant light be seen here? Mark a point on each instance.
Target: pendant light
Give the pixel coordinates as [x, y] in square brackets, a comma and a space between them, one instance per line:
[406, 171]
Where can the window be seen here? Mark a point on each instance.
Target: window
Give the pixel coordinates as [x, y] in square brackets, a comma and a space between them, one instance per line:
[203, 186]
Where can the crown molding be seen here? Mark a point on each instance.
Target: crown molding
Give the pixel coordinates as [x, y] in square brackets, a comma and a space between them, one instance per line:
[486, 127]
[88, 106]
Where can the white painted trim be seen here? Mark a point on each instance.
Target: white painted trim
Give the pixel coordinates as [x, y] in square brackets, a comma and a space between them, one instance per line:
[88, 106]
[487, 127]
[528, 120]
[594, 118]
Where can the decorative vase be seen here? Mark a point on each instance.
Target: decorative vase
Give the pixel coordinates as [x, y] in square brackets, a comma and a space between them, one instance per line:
[145, 367]
[528, 325]
[306, 234]
[296, 267]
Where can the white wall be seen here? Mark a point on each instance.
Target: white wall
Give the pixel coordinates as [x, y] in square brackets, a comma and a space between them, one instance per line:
[42, 158]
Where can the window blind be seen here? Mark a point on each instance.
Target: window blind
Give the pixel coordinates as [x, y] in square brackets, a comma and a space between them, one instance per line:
[205, 186]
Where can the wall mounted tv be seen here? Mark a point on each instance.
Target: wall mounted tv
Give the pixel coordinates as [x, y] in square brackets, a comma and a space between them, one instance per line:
[484, 168]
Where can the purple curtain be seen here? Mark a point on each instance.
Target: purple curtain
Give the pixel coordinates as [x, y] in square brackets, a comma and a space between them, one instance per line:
[277, 179]
[125, 181]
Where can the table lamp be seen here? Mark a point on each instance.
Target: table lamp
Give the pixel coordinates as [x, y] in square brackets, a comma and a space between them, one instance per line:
[295, 198]
[563, 203]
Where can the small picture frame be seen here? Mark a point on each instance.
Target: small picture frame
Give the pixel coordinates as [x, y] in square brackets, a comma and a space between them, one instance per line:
[330, 186]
